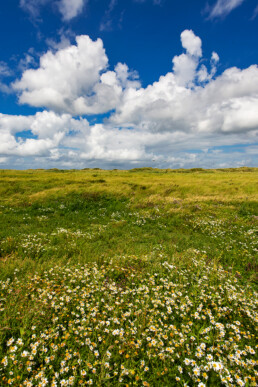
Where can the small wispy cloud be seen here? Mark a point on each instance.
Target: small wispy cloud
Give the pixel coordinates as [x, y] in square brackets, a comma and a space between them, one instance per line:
[33, 7]
[107, 21]
[68, 8]
[222, 8]
[155, 2]
[4, 73]
[4, 69]
[255, 13]
[65, 35]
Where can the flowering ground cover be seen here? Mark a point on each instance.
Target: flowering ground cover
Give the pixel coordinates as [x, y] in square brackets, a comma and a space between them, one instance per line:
[146, 287]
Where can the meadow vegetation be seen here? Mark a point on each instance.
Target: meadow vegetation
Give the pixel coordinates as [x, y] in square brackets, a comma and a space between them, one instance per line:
[135, 278]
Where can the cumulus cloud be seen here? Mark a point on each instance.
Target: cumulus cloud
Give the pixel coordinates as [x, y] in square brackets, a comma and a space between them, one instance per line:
[168, 106]
[190, 99]
[126, 77]
[175, 122]
[185, 65]
[67, 142]
[223, 7]
[75, 79]
[47, 128]
[52, 131]
[191, 43]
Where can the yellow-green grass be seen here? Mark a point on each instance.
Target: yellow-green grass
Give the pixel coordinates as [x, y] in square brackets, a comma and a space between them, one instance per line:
[152, 184]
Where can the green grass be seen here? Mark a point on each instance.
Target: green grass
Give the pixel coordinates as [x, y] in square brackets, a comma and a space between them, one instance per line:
[156, 246]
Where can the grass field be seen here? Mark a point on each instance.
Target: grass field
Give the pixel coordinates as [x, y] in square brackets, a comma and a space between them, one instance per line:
[142, 278]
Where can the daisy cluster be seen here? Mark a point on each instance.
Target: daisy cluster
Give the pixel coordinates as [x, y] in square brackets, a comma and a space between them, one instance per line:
[129, 322]
[231, 236]
[39, 243]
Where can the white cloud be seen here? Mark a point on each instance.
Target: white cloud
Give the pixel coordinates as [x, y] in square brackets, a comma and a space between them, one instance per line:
[48, 128]
[184, 69]
[240, 114]
[187, 110]
[13, 124]
[191, 100]
[223, 7]
[74, 80]
[214, 57]
[126, 77]
[203, 75]
[191, 43]
[46, 124]
[228, 103]
[70, 8]
[185, 65]
[112, 145]
[39, 147]
[67, 142]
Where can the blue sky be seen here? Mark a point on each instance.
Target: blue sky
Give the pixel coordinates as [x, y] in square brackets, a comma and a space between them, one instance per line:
[127, 83]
